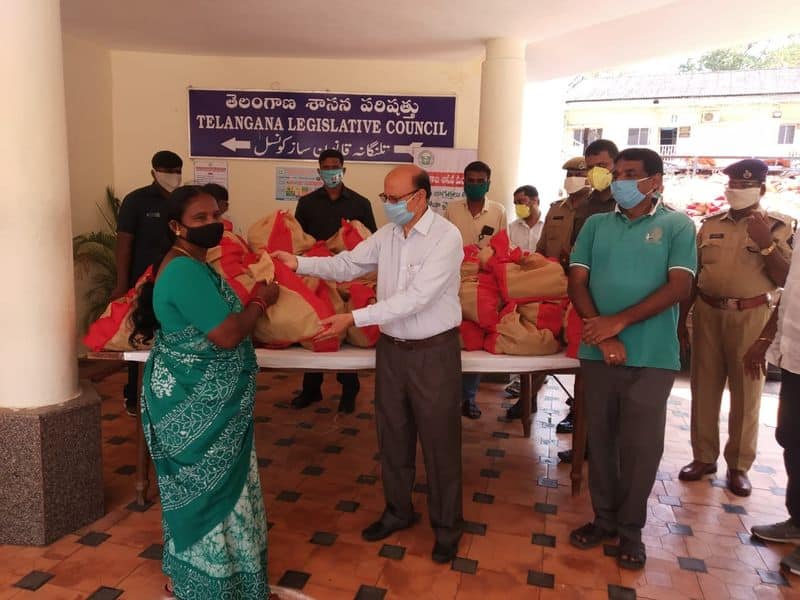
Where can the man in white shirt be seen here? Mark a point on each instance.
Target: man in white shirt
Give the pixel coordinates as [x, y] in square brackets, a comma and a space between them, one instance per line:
[525, 231]
[781, 336]
[418, 257]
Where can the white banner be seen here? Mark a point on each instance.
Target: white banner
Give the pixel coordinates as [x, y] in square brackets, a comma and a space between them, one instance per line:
[446, 169]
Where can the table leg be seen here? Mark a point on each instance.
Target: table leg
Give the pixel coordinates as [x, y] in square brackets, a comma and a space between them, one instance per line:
[526, 389]
[578, 437]
[142, 455]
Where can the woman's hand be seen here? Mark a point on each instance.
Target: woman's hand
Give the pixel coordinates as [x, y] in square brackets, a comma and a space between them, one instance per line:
[268, 292]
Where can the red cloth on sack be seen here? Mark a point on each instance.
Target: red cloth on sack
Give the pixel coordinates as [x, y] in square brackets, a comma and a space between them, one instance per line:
[472, 336]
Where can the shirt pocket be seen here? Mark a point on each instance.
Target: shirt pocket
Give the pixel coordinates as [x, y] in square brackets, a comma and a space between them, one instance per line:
[410, 272]
[711, 251]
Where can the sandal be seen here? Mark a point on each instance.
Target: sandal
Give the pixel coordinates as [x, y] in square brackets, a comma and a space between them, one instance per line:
[471, 411]
[631, 554]
[589, 536]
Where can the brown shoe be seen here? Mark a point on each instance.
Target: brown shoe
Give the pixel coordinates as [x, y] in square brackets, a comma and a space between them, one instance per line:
[695, 470]
[738, 483]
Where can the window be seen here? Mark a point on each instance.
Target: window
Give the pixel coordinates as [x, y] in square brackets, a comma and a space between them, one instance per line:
[668, 136]
[786, 134]
[638, 136]
[586, 135]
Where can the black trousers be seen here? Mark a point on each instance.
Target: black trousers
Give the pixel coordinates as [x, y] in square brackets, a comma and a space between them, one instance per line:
[418, 393]
[788, 435]
[626, 411]
[312, 382]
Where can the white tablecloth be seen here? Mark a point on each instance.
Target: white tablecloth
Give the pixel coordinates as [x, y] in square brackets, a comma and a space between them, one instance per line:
[363, 359]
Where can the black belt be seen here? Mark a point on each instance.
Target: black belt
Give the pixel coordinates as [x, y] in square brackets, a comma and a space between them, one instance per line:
[423, 343]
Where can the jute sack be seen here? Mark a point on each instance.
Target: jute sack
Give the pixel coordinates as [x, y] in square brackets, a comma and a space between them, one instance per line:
[279, 231]
[480, 300]
[544, 315]
[472, 335]
[470, 266]
[113, 329]
[350, 235]
[532, 278]
[360, 296]
[231, 259]
[515, 335]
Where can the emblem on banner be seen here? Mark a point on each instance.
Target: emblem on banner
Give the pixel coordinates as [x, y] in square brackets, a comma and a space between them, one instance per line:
[426, 158]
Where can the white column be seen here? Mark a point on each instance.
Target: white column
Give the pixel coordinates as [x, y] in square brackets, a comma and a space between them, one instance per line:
[37, 307]
[500, 130]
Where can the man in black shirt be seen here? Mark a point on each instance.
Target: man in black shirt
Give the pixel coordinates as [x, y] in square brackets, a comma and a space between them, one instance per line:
[320, 214]
[141, 234]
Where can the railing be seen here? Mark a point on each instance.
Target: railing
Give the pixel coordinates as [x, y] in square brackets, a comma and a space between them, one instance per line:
[667, 150]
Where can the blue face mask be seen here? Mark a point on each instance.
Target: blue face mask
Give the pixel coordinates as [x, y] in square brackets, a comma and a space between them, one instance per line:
[331, 177]
[398, 212]
[626, 192]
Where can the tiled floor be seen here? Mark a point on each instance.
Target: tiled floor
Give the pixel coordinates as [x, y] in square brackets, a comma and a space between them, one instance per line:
[322, 486]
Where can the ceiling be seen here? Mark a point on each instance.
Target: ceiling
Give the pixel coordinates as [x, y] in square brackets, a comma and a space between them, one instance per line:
[342, 29]
[564, 37]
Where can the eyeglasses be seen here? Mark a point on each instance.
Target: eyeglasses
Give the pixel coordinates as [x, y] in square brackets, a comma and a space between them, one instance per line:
[396, 199]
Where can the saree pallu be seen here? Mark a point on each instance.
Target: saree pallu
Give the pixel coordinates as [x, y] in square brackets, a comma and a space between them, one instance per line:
[197, 417]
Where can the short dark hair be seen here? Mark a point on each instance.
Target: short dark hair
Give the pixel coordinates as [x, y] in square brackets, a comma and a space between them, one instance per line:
[598, 146]
[422, 181]
[651, 161]
[331, 153]
[528, 190]
[218, 191]
[164, 159]
[479, 167]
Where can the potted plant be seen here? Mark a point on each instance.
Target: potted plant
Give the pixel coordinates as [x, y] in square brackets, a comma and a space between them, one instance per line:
[94, 254]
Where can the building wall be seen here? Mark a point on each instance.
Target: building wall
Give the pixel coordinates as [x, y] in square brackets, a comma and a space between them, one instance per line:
[87, 86]
[150, 112]
[736, 127]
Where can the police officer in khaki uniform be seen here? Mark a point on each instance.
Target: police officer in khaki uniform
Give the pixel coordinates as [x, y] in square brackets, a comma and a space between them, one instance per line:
[587, 183]
[743, 258]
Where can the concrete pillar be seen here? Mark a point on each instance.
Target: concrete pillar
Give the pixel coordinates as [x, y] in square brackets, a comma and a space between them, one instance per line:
[500, 129]
[49, 431]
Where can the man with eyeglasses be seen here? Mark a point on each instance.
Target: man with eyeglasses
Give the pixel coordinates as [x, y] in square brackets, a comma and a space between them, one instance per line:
[629, 269]
[477, 219]
[418, 257]
[744, 257]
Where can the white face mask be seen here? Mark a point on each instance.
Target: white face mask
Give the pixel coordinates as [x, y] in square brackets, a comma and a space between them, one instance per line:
[168, 181]
[740, 199]
[574, 184]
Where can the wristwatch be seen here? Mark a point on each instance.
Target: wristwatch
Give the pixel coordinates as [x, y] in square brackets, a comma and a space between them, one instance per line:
[769, 249]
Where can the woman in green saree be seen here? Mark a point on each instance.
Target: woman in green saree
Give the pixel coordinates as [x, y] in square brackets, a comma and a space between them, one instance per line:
[197, 412]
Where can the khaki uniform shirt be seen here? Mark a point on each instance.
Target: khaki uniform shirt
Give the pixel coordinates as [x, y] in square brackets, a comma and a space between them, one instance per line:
[564, 221]
[730, 264]
[493, 215]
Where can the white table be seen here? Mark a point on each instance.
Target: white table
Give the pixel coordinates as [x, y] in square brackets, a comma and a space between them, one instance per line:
[349, 358]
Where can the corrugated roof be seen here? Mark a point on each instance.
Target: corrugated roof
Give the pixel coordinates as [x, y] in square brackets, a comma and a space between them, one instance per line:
[687, 85]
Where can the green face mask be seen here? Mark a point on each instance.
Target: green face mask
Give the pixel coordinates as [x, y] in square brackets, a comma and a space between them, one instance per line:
[476, 191]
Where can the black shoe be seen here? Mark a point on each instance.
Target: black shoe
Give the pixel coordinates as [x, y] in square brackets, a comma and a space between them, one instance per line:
[444, 554]
[378, 531]
[568, 424]
[565, 456]
[514, 412]
[512, 390]
[347, 404]
[471, 411]
[304, 399]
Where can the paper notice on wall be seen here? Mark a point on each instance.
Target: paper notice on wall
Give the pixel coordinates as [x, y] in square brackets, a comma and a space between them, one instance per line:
[291, 183]
[446, 169]
[211, 171]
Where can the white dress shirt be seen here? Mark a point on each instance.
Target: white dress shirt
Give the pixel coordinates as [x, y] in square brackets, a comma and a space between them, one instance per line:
[785, 350]
[523, 236]
[418, 277]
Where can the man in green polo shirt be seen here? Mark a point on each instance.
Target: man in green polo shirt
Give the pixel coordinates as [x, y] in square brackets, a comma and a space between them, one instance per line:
[629, 270]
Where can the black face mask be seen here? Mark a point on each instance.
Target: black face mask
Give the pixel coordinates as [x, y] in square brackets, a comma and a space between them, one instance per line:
[205, 236]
